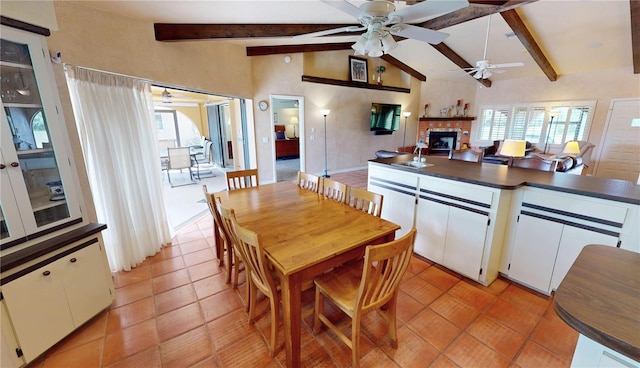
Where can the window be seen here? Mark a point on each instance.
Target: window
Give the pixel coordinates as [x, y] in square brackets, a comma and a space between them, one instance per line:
[542, 124]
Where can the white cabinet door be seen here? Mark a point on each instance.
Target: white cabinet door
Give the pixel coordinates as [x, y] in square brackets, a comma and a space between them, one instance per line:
[534, 251]
[38, 308]
[571, 244]
[8, 344]
[431, 226]
[464, 249]
[399, 191]
[85, 283]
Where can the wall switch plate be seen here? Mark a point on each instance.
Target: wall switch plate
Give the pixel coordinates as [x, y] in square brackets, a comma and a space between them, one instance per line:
[265, 139]
[312, 137]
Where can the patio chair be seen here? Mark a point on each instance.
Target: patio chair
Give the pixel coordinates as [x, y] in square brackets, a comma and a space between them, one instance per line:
[179, 159]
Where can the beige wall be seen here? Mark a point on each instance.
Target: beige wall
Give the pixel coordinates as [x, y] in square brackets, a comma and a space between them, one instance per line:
[350, 144]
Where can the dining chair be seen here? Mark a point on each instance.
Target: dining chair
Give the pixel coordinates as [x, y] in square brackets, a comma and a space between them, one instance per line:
[468, 155]
[240, 179]
[365, 201]
[535, 162]
[217, 223]
[308, 181]
[261, 278]
[203, 160]
[179, 158]
[359, 287]
[228, 216]
[333, 190]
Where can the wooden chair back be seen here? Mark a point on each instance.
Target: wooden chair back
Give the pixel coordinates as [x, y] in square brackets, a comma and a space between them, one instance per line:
[217, 222]
[234, 252]
[335, 190]
[374, 284]
[365, 201]
[465, 155]
[308, 181]
[258, 276]
[384, 266]
[535, 162]
[240, 179]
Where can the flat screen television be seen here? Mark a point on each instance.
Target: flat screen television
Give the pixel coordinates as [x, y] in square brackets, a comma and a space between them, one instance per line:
[385, 118]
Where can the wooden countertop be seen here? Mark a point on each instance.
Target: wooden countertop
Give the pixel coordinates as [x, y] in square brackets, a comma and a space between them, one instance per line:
[600, 298]
[504, 177]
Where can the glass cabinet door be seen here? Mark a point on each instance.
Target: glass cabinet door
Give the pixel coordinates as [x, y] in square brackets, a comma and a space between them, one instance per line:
[29, 154]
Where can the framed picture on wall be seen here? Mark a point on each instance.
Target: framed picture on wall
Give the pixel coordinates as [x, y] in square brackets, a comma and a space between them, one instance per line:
[358, 71]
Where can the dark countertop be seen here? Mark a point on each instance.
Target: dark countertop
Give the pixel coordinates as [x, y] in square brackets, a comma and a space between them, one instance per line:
[600, 298]
[504, 177]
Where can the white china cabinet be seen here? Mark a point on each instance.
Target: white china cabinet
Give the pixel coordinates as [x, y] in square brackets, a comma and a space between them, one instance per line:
[54, 274]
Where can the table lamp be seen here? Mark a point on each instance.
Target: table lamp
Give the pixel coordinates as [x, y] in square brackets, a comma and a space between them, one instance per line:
[571, 148]
[294, 121]
[512, 148]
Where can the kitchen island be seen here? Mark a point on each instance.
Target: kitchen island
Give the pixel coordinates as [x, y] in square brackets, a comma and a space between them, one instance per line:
[599, 298]
[481, 219]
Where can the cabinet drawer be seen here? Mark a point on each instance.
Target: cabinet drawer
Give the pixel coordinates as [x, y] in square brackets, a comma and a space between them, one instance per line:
[576, 207]
[456, 192]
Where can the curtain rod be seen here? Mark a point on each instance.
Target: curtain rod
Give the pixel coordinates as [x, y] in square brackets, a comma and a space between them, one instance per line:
[154, 83]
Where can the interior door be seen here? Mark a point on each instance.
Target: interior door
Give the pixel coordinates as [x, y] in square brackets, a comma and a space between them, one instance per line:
[620, 144]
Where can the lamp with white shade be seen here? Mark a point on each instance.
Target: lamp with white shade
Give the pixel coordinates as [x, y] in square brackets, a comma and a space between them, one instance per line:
[294, 121]
[571, 148]
[512, 148]
[324, 113]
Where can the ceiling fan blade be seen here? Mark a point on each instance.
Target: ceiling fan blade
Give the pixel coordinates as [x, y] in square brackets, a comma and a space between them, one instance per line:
[419, 33]
[429, 8]
[331, 31]
[345, 7]
[507, 65]
[499, 71]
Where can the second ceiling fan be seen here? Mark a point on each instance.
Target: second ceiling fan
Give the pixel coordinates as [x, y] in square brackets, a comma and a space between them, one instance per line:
[381, 21]
[484, 69]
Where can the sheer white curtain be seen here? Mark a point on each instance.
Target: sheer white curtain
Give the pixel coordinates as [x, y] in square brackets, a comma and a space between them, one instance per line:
[114, 117]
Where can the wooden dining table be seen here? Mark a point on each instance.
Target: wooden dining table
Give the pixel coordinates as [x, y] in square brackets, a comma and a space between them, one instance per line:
[304, 235]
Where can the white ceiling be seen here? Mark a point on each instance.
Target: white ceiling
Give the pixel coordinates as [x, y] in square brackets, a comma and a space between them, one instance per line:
[575, 35]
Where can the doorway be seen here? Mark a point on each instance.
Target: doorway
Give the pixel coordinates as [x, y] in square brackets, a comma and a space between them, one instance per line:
[287, 125]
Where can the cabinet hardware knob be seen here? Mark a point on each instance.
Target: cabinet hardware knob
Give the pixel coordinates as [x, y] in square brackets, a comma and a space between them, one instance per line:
[73, 260]
[15, 164]
[2, 166]
[46, 273]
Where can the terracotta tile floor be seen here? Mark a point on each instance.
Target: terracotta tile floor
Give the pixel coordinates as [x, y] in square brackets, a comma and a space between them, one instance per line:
[175, 310]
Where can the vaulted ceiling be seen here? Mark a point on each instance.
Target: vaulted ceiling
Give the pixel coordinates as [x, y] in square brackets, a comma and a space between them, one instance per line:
[551, 37]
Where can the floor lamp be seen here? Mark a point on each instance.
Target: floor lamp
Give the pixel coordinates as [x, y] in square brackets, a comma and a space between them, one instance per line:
[406, 115]
[546, 143]
[324, 113]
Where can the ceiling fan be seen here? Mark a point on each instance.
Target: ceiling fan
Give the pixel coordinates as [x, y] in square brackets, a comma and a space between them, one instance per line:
[484, 69]
[381, 21]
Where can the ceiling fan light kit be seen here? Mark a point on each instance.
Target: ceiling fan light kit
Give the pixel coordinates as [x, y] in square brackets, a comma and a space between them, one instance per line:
[381, 21]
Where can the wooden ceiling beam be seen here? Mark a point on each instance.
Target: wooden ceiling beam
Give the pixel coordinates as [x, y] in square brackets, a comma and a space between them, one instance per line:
[404, 67]
[634, 7]
[186, 32]
[458, 60]
[476, 9]
[290, 49]
[526, 38]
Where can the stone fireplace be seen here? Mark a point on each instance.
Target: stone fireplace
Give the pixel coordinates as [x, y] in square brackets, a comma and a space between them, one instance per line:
[442, 140]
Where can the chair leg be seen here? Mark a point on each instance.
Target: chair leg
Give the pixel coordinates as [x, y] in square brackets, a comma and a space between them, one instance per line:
[252, 302]
[355, 340]
[393, 333]
[236, 271]
[229, 262]
[319, 309]
[275, 313]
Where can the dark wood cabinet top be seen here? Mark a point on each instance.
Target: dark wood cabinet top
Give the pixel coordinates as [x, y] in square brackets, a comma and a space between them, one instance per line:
[600, 298]
[504, 177]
